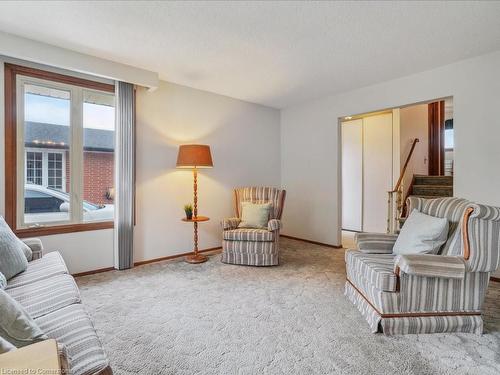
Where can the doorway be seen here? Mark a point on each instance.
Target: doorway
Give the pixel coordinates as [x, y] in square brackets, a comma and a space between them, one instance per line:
[393, 151]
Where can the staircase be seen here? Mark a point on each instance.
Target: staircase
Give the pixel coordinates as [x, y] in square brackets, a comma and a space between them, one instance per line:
[427, 187]
[431, 186]
[421, 186]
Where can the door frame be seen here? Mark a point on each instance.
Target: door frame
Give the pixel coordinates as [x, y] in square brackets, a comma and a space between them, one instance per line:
[436, 154]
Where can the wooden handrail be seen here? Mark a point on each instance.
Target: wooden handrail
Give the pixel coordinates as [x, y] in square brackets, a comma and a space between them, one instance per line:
[396, 188]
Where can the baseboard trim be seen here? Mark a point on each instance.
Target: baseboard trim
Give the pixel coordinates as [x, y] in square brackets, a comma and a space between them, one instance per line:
[92, 272]
[312, 242]
[170, 257]
[495, 279]
[149, 261]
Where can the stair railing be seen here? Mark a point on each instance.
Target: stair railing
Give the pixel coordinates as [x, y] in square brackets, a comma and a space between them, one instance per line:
[395, 202]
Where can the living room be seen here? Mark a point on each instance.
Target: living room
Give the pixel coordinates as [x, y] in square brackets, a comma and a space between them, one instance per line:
[175, 281]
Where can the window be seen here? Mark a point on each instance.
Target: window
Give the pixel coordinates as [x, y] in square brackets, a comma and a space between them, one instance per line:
[55, 170]
[34, 167]
[448, 135]
[60, 152]
[98, 145]
[46, 168]
[448, 139]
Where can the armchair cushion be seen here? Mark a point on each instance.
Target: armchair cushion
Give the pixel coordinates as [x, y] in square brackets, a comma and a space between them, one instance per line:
[49, 265]
[47, 295]
[248, 234]
[375, 269]
[375, 243]
[429, 265]
[274, 224]
[230, 223]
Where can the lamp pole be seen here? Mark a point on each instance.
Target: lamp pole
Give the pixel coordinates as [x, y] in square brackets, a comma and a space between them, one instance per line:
[195, 210]
[195, 189]
[196, 257]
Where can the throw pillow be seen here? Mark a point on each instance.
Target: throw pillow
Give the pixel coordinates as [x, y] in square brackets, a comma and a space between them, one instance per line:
[421, 234]
[16, 326]
[5, 346]
[3, 281]
[13, 252]
[254, 215]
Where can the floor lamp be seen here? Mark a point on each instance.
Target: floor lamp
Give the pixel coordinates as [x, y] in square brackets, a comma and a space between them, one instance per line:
[195, 157]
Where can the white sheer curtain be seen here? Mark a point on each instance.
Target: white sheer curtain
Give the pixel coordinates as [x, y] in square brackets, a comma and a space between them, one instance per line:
[124, 176]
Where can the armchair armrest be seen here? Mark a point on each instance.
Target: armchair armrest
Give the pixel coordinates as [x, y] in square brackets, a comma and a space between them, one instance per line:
[230, 223]
[274, 224]
[36, 246]
[375, 243]
[430, 265]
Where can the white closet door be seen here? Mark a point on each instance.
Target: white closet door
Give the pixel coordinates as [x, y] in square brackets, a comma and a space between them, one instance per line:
[352, 175]
[377, 167]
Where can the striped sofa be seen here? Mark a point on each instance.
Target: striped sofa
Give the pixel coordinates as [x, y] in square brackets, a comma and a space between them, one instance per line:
[427, 293]
[50, 295]
[253, 247]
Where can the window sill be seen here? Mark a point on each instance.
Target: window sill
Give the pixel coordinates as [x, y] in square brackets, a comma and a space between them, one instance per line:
[61, 229]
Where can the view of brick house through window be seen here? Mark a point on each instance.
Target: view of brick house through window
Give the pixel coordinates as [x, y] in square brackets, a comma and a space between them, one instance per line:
[48, 137]
[50, 167]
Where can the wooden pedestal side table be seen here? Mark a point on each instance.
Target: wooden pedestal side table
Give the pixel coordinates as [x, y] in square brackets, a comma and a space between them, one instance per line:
[196, 257]
[39, 358]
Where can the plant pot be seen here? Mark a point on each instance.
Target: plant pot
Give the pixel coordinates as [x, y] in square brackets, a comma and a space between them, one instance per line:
[189, 215]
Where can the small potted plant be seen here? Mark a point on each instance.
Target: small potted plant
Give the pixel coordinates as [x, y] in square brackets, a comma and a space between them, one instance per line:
[188, 209]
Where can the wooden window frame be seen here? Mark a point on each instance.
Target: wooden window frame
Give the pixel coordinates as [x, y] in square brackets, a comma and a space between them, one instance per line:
[11, 71]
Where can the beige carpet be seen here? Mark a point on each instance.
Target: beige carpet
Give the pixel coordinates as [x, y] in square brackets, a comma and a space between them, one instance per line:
[177, 318]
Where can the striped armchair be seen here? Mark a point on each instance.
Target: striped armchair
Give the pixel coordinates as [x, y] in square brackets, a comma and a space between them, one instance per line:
[253, 247]
[427, 293]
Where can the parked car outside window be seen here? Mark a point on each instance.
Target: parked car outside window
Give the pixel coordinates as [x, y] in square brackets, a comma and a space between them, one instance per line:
[43, 204]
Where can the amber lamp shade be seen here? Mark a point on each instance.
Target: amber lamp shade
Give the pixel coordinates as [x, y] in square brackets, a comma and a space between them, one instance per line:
[194, 156]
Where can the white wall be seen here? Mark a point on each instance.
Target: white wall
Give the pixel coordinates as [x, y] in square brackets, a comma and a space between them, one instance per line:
[83, 251]
[310, 140]
[245, 143]
[413, 123]
[43, 53]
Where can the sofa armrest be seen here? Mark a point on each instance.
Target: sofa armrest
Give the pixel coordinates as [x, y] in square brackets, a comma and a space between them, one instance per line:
[274, 224]
[36, 246]
[483, 212]
[230, 223]
[375, 243]
[430, 265]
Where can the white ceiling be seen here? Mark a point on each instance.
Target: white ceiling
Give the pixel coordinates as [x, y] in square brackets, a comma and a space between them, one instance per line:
[273, 53]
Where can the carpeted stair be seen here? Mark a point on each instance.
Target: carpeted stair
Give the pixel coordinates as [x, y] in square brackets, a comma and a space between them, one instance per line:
[429, 187]
[432, 186]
